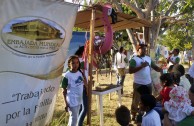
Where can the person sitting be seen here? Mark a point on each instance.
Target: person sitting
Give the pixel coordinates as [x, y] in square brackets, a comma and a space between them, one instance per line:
[190, 74]
[189, 120]
[179, 105]
[167, 82]
[170, 68]
[123, 116]
[179, 70]
[151, 117]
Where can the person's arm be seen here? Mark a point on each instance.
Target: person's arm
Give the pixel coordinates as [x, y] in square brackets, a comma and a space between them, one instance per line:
[133, 68]
[159, 97]
[166, 120]
[136, 35]
[177, 60]
[192, 113]
[85, 83]
[155, 67]
[64, 86]
[65, 100]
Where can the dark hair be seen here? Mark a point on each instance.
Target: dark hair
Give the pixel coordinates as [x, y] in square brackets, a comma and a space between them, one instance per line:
[176, 77]
[121, 49]
[148, 101]
[80, 51]
[143, 89]
[167, 78]
[140, 46]
[177, 50]
[179, 68]
[70, 60]
[123, 115]
[170, 68]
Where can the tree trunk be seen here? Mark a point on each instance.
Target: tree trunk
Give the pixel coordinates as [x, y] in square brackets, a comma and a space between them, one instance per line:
[132, 39]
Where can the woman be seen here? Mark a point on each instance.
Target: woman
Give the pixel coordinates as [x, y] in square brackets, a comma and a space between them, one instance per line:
[188, 121]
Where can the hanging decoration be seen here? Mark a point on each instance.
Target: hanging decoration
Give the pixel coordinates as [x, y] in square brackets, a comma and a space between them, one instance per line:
[104, 44]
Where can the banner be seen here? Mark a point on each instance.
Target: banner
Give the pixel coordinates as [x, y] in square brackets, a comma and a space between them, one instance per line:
[35, 36]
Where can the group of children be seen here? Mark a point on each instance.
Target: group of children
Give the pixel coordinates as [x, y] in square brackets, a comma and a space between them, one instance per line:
[173, 100]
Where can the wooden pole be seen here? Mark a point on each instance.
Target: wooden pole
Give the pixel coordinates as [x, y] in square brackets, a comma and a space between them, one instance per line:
[111, 61]
[90, 81]
[97, 75]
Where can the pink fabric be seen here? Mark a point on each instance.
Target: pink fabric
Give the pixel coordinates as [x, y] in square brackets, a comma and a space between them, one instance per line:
[179, 97]
[106, 46]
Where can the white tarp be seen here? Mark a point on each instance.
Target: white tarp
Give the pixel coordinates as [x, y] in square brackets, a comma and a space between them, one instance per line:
[35, 36]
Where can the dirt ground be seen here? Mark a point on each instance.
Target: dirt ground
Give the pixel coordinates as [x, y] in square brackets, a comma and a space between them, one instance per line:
[110, 102]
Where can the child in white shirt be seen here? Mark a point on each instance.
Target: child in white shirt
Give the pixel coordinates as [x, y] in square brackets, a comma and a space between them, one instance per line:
[72, 85]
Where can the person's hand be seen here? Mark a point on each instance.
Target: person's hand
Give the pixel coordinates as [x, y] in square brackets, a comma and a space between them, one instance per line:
[144, 64]
[66, 108]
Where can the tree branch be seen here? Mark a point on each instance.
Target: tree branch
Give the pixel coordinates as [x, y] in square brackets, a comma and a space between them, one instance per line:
[169, 9]
[150, 6]
[118, 6]
[138, 11]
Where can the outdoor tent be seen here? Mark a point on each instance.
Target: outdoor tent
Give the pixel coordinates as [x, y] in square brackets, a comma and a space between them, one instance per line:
[90, 19]
[124, 21]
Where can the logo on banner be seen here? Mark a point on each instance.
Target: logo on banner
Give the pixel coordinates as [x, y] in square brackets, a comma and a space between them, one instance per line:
[33, 35]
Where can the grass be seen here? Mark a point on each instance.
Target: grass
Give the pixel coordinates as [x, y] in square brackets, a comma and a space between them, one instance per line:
[60, 117]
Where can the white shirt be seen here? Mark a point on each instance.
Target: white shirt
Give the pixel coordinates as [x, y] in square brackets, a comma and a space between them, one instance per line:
[173, 58]
[184, 82]
[119, 60]
[74, 88]
[142, 76]
[151, 118]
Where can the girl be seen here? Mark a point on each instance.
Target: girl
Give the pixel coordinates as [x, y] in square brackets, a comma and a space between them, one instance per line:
[179, 105]
[72, 85]
[84, 107]
[167, 83]
[151, 117]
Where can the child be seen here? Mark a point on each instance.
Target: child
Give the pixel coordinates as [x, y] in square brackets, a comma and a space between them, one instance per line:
[183, 81]
[151, 117]
[179, 105]
[170, 68]
[72, 85]
[84, 106]
[167, 82]
[122, 114]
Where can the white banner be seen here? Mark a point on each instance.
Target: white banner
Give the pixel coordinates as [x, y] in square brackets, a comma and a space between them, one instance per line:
[35, 36]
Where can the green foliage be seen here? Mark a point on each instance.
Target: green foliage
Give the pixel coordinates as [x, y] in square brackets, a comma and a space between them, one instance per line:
[121, 39]
[177, 38]
[127, 10]
[78, 29]
[179, 35]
